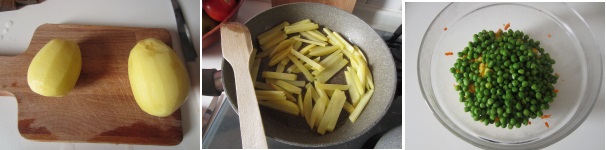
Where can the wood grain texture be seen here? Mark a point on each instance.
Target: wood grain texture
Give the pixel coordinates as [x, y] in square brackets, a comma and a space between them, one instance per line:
[236, 47]
[101, 107]
[346, 5]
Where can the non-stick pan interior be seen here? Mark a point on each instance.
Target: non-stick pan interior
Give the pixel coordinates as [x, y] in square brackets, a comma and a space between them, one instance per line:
[293, 130]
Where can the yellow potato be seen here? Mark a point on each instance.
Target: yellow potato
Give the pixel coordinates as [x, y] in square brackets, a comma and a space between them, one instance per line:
[158, 78]
[320, 58]
[55, 68]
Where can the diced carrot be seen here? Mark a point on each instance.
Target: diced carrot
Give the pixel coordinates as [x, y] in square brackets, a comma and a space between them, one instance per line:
[498, 34]
[445, 28]
[497, 119]
[472, 88]
[507, 26]
[448, 53]
[556, 91]
[548, 35]
[547, 124]
[529, 123]
[545, 116]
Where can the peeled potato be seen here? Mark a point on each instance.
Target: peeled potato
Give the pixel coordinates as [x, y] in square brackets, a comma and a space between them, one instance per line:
[158, 77]
[55, 68]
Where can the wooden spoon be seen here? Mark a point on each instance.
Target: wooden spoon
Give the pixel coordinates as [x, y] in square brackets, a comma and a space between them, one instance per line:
[237, 46]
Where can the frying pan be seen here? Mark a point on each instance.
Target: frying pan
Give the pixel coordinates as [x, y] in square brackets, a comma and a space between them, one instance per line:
[293, 130]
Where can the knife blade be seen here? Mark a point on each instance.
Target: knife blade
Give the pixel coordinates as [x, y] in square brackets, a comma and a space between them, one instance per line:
[187, 47]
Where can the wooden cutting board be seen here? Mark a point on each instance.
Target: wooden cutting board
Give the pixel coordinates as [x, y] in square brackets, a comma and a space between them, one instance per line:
[101, 107]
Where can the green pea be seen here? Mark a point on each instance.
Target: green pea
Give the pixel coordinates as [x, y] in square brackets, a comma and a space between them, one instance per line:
[517, 85]
[526, 112]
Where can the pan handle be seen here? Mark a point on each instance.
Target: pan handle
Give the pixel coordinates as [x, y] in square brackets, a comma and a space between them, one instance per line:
[211, 82]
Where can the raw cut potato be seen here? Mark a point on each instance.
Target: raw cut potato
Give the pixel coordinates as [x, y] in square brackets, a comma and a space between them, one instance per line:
[158, 77]
[318, 58]
[55, 68]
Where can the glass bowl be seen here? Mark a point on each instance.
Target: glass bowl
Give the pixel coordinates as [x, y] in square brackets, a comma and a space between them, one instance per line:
[563, 34]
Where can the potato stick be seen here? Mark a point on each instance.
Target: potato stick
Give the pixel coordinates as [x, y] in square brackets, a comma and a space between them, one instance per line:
[359, 59]
[288, 94]
[311, 42]
[251, 61]
[348, 54]
[327, 31]
[309, 86]
[283, 106]
[360, 52]
[274, 29]
[369, 82]
[307, 66]
[323, 51]
[280, 67]
[335, 104]
[331, 39]
[359, 87]
[362, 74]
[320, 92]
[317, 35]
[262, 86]
[297, 45]
[271, 98]
[306, 49]
[331, 62]
[272, 81]
[353, 93]
[269, 37]
[296, 83]
[273, 42]
[332, 86]
[284, 62]
[315, 95]
[315, 65]
[289, 87]
[277, 75]
[300, 103]
[310, 37]
[318, 111]
[274, 93]
[342, 40]
[329, 92]
[291, 68]
[358, 109]
[302, 22]
[284, 45]
[255, 69]
[334, 54]
[348, 107]
[278, 58]
[340, 97]
[307, 107]
[330, 71]
[300, 28]
[306, 73]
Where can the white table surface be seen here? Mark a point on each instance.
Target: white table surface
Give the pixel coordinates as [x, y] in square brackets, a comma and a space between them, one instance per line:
[132, 13]
[424, 131]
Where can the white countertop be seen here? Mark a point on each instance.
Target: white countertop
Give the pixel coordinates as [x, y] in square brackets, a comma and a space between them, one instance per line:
[423, 131]
[132, 13]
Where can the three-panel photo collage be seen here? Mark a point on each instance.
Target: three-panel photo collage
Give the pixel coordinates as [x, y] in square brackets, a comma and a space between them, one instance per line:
[301, 74]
